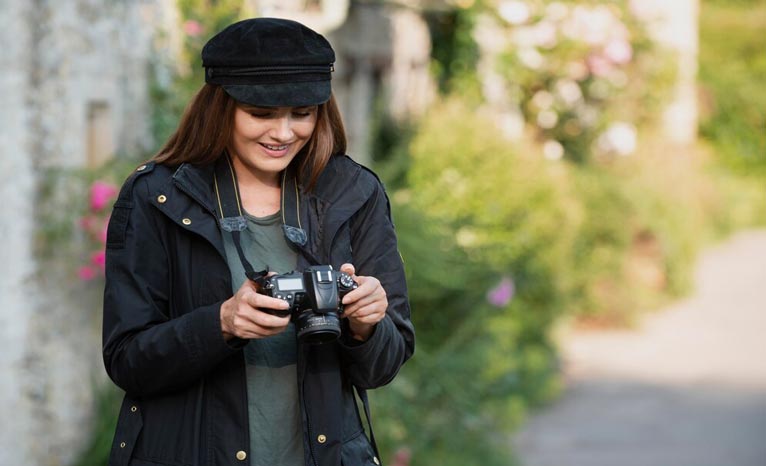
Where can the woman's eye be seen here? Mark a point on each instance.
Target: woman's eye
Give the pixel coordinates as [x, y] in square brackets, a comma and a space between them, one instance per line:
[301, 114]
[260, 114]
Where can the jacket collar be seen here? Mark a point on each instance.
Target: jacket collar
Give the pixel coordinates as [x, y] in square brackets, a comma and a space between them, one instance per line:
[197, 182]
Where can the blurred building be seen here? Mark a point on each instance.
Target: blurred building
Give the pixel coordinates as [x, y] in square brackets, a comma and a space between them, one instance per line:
[73, 92]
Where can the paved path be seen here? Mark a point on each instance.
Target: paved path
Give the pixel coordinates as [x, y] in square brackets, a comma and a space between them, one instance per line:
[687, 387]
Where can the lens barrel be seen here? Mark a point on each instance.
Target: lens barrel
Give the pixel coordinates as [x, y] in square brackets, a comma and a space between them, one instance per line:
[314, 329]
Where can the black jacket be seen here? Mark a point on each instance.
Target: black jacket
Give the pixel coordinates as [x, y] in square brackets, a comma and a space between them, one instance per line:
[166, 278]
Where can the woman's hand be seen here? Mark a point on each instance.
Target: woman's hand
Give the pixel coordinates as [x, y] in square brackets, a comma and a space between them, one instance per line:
[365, 306]
[242, 315]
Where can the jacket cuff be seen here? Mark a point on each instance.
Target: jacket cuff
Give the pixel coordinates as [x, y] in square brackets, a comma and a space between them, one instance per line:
[359, 351]
[205, 335]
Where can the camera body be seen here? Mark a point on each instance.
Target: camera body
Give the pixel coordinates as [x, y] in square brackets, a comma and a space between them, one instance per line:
[314, 296]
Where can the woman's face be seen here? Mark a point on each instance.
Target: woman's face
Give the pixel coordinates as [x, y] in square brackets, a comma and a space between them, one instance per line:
[266, 139]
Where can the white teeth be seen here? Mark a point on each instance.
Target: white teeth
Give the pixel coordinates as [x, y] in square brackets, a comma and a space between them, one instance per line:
[275, 147]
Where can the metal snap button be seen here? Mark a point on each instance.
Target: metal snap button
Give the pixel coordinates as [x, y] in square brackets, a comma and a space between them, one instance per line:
[133, 409]
[162, 198]
[322, 438]
[241, 455]
[141, 168]
[122, 444]
[186, 221]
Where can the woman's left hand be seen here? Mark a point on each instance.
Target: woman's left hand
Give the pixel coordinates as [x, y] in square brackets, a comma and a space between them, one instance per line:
[365, 306]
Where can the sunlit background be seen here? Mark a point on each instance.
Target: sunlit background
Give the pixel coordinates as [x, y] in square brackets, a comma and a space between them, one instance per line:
[556, 169]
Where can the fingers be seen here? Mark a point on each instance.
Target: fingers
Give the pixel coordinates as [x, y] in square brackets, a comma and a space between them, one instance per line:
[369, 289]
[349, 269]
[247, 314]
[367, 304]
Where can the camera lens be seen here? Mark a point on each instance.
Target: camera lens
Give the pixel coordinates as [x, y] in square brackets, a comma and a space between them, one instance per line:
[315, 329]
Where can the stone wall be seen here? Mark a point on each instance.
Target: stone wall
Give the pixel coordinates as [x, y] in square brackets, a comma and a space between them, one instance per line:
[73, 92]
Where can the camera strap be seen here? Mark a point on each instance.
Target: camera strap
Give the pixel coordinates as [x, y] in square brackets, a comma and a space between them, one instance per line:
[230, 211]
[233, 220]
[362, 393]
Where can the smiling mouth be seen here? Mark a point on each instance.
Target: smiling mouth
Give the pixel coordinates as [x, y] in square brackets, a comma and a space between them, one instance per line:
[277, 148]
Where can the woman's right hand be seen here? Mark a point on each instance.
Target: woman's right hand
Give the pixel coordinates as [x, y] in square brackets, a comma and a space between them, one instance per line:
[242, 315]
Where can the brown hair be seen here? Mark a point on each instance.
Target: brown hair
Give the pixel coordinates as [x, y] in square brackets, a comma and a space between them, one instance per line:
[205, 130]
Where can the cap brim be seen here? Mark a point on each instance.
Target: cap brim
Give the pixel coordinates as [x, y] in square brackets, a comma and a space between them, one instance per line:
[296, 94]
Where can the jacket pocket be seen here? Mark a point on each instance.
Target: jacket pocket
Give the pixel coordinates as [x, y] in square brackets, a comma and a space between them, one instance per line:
[129, 426]
[357, 451]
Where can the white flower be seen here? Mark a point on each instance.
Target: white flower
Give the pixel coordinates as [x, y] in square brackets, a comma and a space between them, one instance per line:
[466, 237]
[553, 150]
[620, 138]
[618, 51]
[594, 26]
[531, 58]
[547, 119]
[515, 12]
[544, 34]
[568, 91]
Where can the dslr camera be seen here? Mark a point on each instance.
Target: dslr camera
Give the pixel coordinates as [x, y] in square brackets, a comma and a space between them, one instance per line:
[315, 300]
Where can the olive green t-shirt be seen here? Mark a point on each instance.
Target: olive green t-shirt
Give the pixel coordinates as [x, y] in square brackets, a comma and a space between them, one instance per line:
[276, 436]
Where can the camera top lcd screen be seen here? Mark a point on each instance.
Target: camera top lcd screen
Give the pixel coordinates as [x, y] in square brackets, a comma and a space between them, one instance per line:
[290, 284]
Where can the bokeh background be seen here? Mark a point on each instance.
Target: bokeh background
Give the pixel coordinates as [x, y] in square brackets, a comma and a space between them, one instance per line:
[551, 165]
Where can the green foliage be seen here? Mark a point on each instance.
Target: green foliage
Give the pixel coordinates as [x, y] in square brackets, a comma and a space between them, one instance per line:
[598, 241]
[97, 451]
[454, 51]
[732, 72]
[473, 212]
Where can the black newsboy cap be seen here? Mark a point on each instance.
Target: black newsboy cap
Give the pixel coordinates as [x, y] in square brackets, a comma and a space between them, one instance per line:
[270, 62]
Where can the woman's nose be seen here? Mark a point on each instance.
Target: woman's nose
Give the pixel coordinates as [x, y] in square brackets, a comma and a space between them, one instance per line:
[283, 129]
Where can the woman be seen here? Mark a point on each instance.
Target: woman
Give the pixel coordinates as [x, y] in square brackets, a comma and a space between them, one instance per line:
[253, 179]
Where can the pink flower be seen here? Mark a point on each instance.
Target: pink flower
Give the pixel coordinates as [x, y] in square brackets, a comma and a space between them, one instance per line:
[86, 273]
[98, 259]
[502, 294]
[402, 457]
[193, 28]
[618, 51]
[599, 66]
[100, 195]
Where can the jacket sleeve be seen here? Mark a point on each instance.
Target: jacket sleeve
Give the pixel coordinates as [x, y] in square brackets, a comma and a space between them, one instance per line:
[145, 351]
[376, 362]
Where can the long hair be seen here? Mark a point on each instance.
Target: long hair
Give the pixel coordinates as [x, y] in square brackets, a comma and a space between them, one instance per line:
[205, 131]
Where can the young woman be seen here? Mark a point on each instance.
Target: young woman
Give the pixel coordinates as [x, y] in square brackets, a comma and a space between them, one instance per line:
[254, 179]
